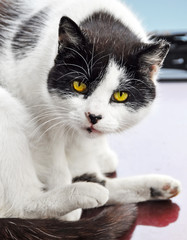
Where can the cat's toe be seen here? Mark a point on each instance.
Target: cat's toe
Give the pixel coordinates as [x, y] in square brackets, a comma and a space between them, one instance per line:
[166, 188]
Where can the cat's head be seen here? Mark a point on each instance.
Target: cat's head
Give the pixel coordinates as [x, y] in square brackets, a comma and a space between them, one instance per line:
[103, 77]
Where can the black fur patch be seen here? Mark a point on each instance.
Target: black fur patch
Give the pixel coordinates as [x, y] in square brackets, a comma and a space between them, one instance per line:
[28, 34]
[89, 178]
[155, 193]
[111, 36]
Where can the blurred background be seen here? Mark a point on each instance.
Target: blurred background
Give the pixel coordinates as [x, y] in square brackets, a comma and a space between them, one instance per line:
[160, 14]
[159, 143]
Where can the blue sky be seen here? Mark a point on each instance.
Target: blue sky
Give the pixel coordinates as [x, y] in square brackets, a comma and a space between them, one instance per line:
[160, 14]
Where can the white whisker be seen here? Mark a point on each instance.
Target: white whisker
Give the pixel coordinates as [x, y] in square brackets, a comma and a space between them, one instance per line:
[92, 57]
[50, 128]
[100, 59]
[73, 65]
[81, 57]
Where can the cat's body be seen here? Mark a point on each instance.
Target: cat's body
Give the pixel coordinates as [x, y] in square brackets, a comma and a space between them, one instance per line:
[52, 131]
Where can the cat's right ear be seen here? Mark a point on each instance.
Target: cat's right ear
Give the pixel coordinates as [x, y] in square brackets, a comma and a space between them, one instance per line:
[152, 55]
[69, 33]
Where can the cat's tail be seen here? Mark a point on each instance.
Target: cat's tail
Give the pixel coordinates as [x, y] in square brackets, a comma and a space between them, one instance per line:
[111, 223]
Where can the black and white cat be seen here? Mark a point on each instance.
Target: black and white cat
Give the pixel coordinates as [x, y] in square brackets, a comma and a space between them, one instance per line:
[71, 72]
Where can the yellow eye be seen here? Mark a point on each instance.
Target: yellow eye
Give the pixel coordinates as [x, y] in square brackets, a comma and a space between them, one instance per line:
[120, 96]
[79, 86]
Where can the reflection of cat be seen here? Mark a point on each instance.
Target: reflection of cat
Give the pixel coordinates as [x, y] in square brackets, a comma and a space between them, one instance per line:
[59, 97]
[153, 213]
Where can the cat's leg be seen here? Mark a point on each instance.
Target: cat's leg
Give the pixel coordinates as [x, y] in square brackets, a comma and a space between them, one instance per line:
[60, 175]
[135, 189]
[59, 202]
[107, 159]
[22, 193]
[17, 174]
[141, 188]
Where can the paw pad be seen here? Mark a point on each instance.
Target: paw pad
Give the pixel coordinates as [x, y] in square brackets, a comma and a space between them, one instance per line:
[166, 187]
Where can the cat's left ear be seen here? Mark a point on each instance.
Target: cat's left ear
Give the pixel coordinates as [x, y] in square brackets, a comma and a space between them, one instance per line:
[152, 56]
[69, 33]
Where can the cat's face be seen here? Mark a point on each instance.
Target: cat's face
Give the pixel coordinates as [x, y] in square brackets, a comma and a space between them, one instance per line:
[100, 90]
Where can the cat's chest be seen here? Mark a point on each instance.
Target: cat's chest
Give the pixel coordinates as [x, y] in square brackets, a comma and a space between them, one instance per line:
[81, 157]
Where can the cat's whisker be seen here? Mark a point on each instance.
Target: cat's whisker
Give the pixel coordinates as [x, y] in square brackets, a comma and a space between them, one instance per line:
[42, 109]
[99, 53]
[131, 92]
[85, 61]
[47, 106]
[67, 74]
[122, 59]
[148, 86]
[79, 75]
[100, 74]
[130, 80]
[92, 57]
[47, 130]
[73, 65]
[45, 123]
[60, 134]
[107, 55]
[69, 129]
[43, 116]
[50, 112]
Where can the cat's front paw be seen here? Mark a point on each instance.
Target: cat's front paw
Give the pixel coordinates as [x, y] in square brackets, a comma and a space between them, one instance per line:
[90, 195]
[164, 187]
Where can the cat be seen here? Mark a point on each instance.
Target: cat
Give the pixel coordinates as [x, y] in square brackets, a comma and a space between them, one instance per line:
[71, 73]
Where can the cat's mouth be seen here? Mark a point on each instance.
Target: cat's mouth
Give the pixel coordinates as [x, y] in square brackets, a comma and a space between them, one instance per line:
[91, 129]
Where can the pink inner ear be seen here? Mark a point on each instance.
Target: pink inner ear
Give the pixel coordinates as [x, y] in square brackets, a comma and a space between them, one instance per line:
[154, 69]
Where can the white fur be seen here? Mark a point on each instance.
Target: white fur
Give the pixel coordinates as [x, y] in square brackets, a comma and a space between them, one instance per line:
[44, 142]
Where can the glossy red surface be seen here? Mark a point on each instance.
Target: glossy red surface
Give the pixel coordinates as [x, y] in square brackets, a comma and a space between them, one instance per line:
[158, 214]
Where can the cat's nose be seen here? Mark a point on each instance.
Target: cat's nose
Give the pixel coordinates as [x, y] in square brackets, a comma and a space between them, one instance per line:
[93, 118]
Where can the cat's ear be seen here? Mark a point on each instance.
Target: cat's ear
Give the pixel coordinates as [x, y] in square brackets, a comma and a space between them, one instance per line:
[152, 56]
[69, 33]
